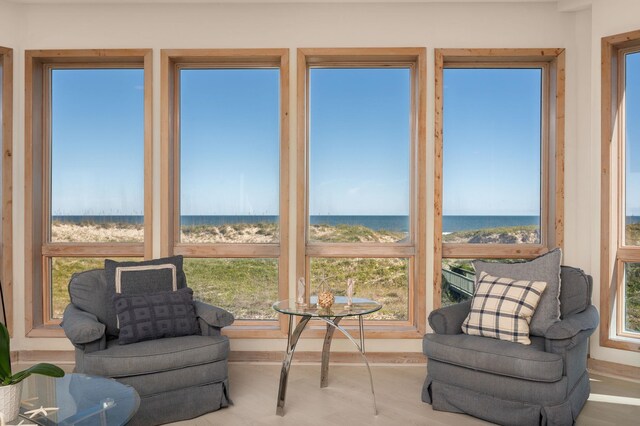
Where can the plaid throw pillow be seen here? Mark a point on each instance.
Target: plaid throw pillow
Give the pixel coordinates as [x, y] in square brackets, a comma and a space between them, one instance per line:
[502, 308]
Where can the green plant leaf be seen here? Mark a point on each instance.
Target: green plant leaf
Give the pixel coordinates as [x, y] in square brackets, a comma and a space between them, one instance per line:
[5, 354]
[43, 368]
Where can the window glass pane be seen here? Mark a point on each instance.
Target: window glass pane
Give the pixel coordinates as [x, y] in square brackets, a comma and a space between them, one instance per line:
[458, 280]
[97, 155]
[359, 154]
[245, 287]
[384, 280]
[492, 155]
[229, 155]
[62, 268]
[632, 297]
[632, 148]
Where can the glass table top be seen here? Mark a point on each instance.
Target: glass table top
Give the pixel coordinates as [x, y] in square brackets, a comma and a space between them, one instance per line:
[81, 400]
[338, 309]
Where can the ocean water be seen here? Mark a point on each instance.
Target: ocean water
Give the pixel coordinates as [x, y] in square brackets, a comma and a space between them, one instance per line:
[390, 223]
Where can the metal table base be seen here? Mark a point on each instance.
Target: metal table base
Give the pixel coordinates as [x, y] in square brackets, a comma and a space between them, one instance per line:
[292, 340]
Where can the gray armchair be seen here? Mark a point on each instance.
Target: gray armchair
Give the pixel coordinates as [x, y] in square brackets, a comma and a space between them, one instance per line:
[177, 378]
[545, 383]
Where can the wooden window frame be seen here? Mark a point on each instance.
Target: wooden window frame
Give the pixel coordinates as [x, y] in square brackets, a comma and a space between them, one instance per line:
[415, 251]
[6, 252]
[552, 63]
[614, 254]
[39, 251]
[171, 62]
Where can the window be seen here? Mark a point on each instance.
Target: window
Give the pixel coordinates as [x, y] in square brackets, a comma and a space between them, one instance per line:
[499, 154]
[6, 142]
[620, 285]
[492, 155]
[88, 168]
[224, 148]
[361, 138]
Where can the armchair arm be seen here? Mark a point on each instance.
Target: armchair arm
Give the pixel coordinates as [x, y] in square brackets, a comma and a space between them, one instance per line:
[212, 318]
[574, 324]
[448, 320]
[83, 329]
[572, 330]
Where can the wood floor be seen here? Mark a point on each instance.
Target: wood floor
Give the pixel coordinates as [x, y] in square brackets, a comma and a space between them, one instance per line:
[347, 400]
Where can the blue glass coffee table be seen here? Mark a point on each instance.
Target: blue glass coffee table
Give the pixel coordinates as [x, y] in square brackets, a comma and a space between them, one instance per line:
[80, 400]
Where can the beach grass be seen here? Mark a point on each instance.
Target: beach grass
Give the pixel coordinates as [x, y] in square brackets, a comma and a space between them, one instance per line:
[96, 232]
[385, 280]
[352, 234]
[245, 287]
[632, 296]
[259, 232]
[248, 287]
[62, 269]
[632, 234]
[528, 234]
[632, 281]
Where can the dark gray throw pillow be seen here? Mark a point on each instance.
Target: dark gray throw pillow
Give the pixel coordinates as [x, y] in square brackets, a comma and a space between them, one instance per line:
[149, 276]
[155, 315]
[544, 268]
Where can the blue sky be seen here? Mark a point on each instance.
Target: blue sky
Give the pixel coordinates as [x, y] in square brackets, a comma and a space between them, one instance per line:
[632, 99]
[230, 141]
[97, 152]
[491, 152]
[359, 141]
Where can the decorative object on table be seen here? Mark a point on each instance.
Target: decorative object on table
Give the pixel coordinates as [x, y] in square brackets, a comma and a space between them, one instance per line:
[11, 384]
[40, 411]
[325, 295]
[302, 289]
[350, 287]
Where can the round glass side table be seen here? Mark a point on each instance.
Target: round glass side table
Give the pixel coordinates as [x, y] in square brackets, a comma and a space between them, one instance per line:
[331, 316]
[76, 399]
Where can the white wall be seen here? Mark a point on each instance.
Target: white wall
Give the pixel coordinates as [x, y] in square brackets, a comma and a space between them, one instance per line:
[342, 25]
[10, 17]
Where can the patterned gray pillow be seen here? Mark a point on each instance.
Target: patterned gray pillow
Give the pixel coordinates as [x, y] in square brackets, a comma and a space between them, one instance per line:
[544, 268]
[144, 277]
[155, 315]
